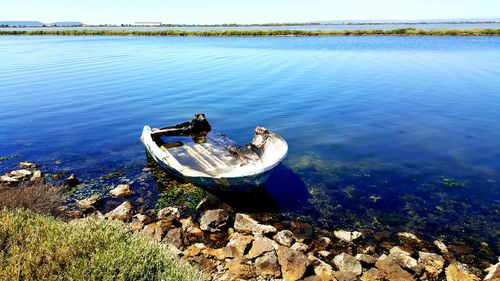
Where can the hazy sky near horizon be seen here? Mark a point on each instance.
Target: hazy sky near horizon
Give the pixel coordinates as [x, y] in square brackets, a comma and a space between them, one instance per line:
[243, 11]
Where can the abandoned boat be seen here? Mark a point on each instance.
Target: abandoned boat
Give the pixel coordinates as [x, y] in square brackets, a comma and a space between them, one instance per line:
[193, 151]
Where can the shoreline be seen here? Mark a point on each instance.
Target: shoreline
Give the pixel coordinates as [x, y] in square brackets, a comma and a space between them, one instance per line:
[227, 244]
[258, 33]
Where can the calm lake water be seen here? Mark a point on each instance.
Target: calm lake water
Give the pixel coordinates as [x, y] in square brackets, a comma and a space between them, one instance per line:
[398, 133]
[298, 27]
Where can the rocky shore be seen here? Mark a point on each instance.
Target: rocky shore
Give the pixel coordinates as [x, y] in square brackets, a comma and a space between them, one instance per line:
[229, 245]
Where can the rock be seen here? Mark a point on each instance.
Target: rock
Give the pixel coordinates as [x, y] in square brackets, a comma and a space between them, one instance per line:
[153, 231]
[214, 220]
[261, 245]
[37, 175]
[301, 247]
[168, 216]
[345, 276]
[324, 254]
[366, 259]
[404, 259]
[267, 264]
[285, 238]
[174, 237]
[190, 227]
[347, 236]
[323, 243]
[458, 272]
[8, 180]
[136, 226]
[346, 262]
[447, 255]
[89, 203]
[244, 223]
[143, 218]
[240, 270]
[373, 274]
[122, 212]
[71, 181]
[227, 252]
[19, 174]
[28, 165]
[122, 190]
[206, 265]
[493, 272]
[392, 270]
[194, 249]
[408, 238]
[240, 242]
[293, 263]
[433, 263]
[381, 235]
[323, 270]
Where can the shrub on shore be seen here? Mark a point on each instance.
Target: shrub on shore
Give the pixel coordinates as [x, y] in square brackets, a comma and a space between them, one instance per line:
[32, 195]
[38, 247]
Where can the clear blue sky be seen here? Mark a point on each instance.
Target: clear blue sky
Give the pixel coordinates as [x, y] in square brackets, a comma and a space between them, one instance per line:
[243, 11]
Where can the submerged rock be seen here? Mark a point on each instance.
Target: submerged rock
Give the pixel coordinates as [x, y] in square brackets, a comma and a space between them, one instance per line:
[28, 165]
[122, 212]
[71, 181]
[214, 220]
[293, 263]
[122, 190]
[244, 223]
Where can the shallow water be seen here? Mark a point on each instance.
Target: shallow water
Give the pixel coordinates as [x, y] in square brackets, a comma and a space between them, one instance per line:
[398, 133]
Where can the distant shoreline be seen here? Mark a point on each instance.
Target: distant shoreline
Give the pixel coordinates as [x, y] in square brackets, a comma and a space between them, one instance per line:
[339, 23]
[261, 33]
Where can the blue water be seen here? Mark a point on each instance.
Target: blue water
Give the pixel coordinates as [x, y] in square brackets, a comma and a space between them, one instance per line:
[297, 27]
[397, 133]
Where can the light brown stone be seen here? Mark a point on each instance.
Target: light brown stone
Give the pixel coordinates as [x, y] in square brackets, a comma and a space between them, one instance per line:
[285, 238]
[194, 250]
[293, 263]
[347, 236]
[261, 245]
[240, 242]
[392, 270]
[457, 272]
[433, 263]
[267, 264]
[214, 220]
[153, 231]
[122, 212]
[346, 262]
[122, 190]
[244, 223]
[373, 274]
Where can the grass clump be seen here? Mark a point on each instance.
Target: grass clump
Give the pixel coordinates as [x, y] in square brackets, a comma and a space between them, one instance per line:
[38, 247]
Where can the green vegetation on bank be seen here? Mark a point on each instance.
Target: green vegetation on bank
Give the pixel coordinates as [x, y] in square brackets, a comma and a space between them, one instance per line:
[229, 33]
[39, 247]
